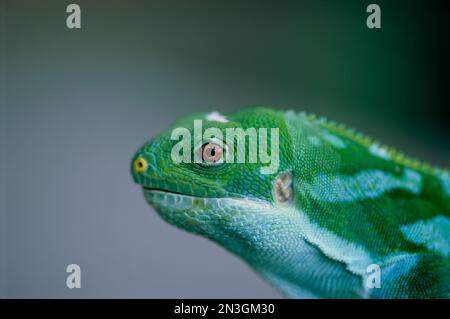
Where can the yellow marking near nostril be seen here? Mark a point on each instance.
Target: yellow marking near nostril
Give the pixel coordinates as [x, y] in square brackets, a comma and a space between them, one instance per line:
[140, 165]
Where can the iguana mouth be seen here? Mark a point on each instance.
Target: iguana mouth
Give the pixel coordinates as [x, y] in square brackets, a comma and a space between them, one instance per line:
[154, 189]
[174, 201]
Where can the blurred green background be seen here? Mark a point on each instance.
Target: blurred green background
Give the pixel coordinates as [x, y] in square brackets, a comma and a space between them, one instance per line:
[76, 104]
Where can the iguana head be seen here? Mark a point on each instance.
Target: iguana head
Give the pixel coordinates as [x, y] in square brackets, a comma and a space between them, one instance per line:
[208, 193]
[334, 208]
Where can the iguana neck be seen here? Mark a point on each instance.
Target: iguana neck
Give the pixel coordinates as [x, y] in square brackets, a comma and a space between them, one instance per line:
[284, 255]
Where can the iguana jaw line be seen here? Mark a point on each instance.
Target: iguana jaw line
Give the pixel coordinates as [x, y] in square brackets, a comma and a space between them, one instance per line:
[176, 187]
[161, 190]
[181, 202]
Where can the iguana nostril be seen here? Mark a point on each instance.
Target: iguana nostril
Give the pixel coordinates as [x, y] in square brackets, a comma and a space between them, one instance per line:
[140, 165]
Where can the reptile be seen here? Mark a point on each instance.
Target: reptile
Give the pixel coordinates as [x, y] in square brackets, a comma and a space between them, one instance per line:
[340, 212]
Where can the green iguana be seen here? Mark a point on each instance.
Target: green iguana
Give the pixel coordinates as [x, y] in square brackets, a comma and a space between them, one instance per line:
[339, 208]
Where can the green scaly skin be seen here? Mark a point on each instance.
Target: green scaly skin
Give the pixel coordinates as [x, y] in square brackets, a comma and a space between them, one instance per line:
[355, 203]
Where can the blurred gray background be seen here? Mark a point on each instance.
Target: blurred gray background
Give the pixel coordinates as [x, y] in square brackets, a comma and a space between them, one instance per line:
[76, 104]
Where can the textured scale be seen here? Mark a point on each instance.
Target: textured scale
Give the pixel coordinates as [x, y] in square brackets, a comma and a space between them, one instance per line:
[355, 202]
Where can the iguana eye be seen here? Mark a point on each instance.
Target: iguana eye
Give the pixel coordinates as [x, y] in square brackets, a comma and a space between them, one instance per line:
[211, 153]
